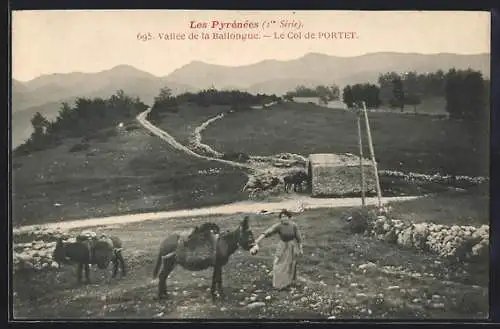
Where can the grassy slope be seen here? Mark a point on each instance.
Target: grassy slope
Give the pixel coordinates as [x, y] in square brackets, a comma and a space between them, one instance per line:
[431, 105]
[118, 174]
[450, 208]
[329, 268]
[402, 142]
[181, 125]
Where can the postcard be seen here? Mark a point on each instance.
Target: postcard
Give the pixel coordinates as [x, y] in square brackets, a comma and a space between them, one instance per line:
[217, 164]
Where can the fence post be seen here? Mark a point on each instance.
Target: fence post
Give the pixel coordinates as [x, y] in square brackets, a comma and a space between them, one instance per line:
[360, 142]
[372, 152]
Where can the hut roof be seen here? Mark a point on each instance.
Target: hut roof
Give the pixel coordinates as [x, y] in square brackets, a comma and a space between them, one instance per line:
[334, 160]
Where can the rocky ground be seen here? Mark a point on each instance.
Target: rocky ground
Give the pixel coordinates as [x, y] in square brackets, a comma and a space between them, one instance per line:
[342, 275]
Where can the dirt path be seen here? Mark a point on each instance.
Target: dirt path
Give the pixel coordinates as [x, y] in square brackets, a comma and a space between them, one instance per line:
[295, 203]
[197, 136]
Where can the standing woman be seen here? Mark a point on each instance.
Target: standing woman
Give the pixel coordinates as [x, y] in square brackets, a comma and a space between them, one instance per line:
[289, 247]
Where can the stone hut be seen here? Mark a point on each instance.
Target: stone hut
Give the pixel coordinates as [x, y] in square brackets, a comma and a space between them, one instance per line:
[334, 175]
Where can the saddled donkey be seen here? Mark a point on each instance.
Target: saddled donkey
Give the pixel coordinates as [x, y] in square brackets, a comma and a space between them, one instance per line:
[88, 251]
[202, 249]
[296, 179]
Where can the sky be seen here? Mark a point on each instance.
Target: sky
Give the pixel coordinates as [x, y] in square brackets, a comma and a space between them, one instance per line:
[46, 42]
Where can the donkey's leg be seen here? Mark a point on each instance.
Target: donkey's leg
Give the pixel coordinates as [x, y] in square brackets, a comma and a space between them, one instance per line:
[87, 273]
[115, 262]
[122, 263]
[214, 284]
[219, 284]
[79, 270]
[167, 267]
[107, 275]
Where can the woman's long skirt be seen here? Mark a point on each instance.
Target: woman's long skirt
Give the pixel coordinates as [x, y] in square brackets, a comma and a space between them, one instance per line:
[285, 264]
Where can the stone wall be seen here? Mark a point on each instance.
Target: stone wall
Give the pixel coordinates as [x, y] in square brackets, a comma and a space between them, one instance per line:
[462, 243]
[341, 180]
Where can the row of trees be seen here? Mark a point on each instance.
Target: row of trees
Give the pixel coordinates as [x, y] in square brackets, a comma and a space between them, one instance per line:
[466, 92]
[238, 100]
[354, 95]
[324, 93]
[81, 120]
[422, 85]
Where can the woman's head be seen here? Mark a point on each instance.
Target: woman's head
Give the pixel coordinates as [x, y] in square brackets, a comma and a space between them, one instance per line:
[286, 213]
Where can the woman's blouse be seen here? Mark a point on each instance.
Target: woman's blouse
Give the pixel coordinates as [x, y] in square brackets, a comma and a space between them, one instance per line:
[286, 229]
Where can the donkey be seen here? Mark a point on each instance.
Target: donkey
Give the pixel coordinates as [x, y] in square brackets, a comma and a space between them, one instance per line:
[296, 180]
[259, 186]
[98, 251]
[220, 248]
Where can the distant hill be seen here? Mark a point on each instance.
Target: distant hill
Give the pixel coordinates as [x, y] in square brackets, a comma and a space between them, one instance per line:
[316, 68]
[56, 87]
[45, 93]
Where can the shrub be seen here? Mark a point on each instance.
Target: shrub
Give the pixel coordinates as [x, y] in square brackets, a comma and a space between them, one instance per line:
[82, 146]
[358, 221]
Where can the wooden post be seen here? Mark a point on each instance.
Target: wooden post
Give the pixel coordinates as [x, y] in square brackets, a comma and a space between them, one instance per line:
[360, 142]
[372, 152]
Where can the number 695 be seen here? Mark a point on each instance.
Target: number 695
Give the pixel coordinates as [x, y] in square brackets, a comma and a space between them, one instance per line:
[144, 36]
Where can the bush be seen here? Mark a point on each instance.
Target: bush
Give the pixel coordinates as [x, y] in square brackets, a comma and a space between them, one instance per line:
[82, 146]
[359, 220]
[86, 117]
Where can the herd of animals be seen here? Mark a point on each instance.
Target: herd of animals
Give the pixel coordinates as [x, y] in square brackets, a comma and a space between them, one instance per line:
[293, 180]
[205, 247]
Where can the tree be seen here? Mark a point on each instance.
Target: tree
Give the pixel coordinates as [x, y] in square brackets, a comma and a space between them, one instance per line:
[39, 123]
[288, 97]
[164, 94]
[398, 93]
[348, 96]
[413, 100]
[334, 94]
[323, 93]
[411, 90]
[165, 101]
[466, 95]
[386, 86]
[366, 92]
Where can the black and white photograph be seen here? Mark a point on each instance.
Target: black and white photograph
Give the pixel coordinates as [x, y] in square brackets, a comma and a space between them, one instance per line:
[217, 164]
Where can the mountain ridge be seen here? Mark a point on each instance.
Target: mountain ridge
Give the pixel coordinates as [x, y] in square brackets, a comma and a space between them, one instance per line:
[270, 76]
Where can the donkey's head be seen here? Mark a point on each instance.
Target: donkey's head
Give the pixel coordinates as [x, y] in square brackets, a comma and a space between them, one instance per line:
[59, 253]
[208, 228]
[245, 238]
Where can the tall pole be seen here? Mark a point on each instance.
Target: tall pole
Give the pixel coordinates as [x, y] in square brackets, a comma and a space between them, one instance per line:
[360, 142]
[372, 152]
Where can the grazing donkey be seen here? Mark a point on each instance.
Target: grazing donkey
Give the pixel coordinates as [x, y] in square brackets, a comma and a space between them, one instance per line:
[296, 179]
[202, 249]
[88, 251]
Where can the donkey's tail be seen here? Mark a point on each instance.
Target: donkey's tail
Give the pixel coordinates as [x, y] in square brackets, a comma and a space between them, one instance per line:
[159, 261]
